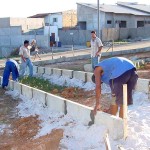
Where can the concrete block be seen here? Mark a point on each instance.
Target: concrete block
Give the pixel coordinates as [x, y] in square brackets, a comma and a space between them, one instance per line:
[18, 87]
[79, 112]
[143, 85]
[139, 50]
[39, 95]
[35, 69]
[80, 75]
[27, 91]
[89, 76]
[146, 49]
[67, 73]
[11, 85]
[55, 103]
[105, 54]
[112, 123]
[41, 70]
[57, 71]
[68, 59]
[1, 79]
[48, 71]
[88, 68]
[59, 60]
[52, 61]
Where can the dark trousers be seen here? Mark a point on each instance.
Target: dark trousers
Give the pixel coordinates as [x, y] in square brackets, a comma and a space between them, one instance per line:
[130, 78]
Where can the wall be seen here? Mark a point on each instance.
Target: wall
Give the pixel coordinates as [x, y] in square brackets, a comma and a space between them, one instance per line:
[9, 43]
[80, 37]
[11, 31]
[69, 18]
[4, 22]
[27, 23]
[89, 15]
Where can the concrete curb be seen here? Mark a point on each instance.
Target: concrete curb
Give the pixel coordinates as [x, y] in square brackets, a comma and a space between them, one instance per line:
[87, 56]
[142, 84]
[80, 112]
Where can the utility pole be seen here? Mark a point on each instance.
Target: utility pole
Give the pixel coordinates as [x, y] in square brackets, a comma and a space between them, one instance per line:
[98, 19]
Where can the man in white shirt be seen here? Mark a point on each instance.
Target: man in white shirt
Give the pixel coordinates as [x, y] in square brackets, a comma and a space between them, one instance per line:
[96, 47]
[25, 59]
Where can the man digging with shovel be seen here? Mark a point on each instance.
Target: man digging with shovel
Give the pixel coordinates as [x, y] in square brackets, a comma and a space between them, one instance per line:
[115, 72]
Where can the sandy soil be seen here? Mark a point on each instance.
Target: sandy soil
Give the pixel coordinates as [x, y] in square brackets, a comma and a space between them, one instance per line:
[19, 132]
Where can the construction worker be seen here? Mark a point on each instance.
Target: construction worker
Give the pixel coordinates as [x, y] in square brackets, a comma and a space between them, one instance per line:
[115, 72]
[25, 59]
[11, 66]
[96, 47]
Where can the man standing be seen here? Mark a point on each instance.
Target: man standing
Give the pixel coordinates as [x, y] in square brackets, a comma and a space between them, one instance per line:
[25, 59]
[96, 47]
[115, 72]
[11, 66]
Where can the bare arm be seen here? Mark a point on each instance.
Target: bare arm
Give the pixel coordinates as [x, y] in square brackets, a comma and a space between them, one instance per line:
[99, 50]
[100, 46]
[23, 58]
[97, 73]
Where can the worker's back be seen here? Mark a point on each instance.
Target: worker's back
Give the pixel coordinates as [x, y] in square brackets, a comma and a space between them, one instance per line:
[114, 67]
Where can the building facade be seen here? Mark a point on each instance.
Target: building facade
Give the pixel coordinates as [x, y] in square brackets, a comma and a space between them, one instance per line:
[65, 19]
[111, 16]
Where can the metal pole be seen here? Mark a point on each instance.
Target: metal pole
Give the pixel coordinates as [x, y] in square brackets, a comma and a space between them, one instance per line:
[125, 110]
[98, 19]
[72, 50]
[112, 47]
[52, 53]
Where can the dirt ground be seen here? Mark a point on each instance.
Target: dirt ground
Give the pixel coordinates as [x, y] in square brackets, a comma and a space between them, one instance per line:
[19, 132]
[78, 65]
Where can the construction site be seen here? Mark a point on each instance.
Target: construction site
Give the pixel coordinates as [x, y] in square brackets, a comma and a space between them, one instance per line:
[58, 95]
[53, 110]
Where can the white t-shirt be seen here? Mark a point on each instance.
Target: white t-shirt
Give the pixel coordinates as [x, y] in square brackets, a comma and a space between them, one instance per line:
[95, 44]
[24, 51]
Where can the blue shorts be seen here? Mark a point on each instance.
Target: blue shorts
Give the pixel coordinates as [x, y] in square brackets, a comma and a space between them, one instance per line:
[130, 78]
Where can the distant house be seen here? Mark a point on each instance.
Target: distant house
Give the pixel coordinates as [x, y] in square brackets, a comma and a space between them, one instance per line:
[65, 19]
[122, 15]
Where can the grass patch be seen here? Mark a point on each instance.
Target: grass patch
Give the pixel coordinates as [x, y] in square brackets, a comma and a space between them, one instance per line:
[40, 84]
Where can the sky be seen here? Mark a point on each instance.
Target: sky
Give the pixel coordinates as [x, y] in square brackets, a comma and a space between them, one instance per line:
[19, 8]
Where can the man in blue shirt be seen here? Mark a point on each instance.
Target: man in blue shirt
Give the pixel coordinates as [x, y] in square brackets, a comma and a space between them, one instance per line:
[115, 72]
[11, 66]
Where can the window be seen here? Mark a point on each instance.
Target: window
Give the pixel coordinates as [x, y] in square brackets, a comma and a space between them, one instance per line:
[123, 24]
[140, 24]
[108, 21]
[54, 19]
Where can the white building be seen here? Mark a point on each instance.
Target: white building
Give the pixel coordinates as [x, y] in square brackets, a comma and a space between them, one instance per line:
[122, 15]
[65, 19]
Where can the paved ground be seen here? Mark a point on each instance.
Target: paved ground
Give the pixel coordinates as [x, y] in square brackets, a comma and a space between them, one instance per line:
[135, 45]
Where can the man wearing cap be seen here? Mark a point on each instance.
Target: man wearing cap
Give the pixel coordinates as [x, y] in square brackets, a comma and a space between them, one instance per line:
[115, 72]
[11, 66]
[96, 47]
[25, 59]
